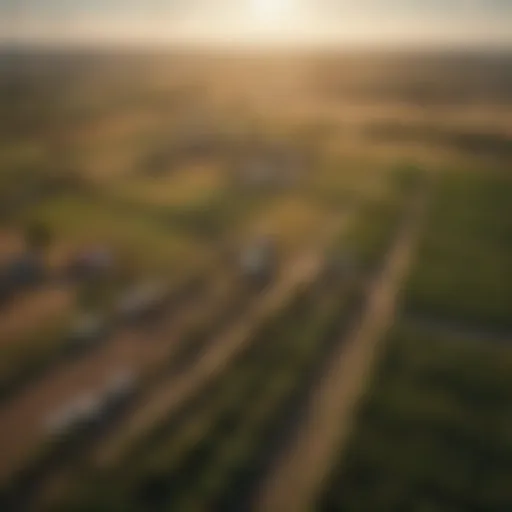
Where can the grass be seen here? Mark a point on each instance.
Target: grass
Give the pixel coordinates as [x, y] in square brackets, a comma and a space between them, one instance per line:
[378, 214]
[20, 361]
[464, 272]
[199, 202]
[370, 233]
[433, 431]
[338, 183]
[138, 239]
[182, 188]
[294, 221]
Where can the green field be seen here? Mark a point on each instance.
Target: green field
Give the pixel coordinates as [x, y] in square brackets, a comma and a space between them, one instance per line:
[433, 430]
[463, 272]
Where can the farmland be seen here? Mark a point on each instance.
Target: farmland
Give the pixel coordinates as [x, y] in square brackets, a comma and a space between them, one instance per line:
[268, 282]
[463, 272]
[433, 428]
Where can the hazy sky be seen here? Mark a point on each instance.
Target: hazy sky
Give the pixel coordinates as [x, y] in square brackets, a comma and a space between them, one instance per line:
[439, 22]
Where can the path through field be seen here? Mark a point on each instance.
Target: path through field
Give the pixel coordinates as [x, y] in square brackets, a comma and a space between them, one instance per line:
[296, 477]
[215, 359]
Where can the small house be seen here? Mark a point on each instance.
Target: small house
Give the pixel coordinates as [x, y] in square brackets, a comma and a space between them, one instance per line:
[258, 262]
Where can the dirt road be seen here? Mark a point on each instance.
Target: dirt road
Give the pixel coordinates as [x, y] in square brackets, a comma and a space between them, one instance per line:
[297, 475]
[169, 397]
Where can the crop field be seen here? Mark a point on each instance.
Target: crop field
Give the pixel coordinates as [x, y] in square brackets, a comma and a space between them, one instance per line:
[463, 273]
[433, 429]
[203, 258]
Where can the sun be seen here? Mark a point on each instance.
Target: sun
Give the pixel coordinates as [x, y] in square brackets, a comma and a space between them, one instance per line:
[271, 11]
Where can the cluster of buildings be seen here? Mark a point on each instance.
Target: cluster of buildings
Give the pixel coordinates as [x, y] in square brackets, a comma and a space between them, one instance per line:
[92, 408]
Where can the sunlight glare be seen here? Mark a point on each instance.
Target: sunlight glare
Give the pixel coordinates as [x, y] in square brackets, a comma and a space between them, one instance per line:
[271, 11]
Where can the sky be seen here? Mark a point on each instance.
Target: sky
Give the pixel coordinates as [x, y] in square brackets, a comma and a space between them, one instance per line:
[337, 22]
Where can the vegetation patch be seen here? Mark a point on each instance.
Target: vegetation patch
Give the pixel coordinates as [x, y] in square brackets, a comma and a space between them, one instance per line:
[433, 431]
[463, 271]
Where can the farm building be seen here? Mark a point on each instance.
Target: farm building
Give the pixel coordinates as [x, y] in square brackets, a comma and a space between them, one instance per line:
[142, 301]
[258, 262]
